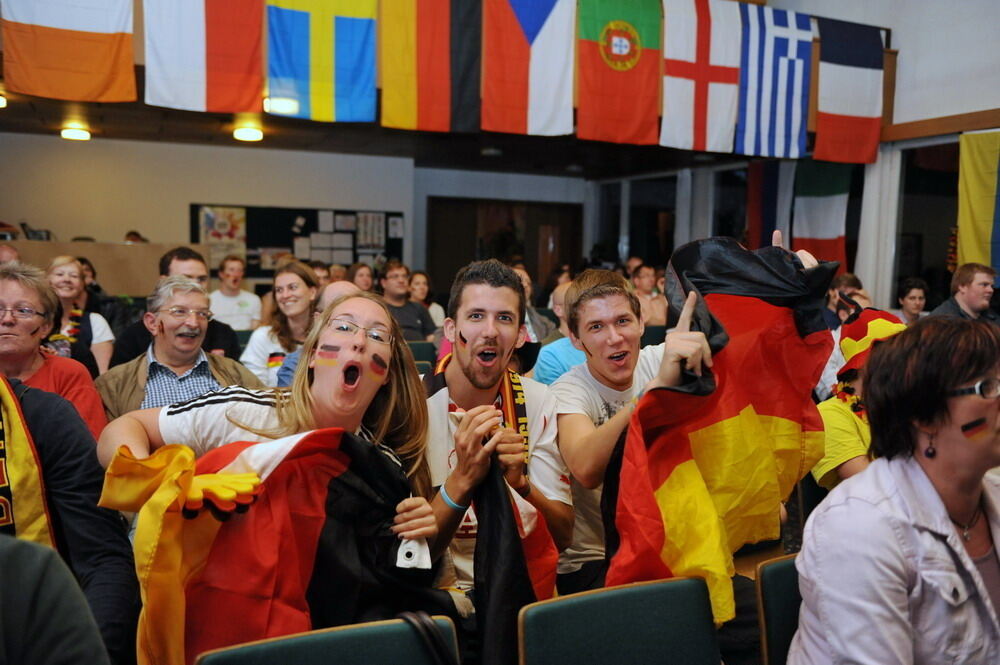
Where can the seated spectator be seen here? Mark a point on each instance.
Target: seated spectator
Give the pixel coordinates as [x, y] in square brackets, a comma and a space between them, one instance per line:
[135, 236]
[899, 563]
[54, 499]
[844, 418]
[220, 339]
[175, 367]
[65, 275]
[338, 272]
[845, 284]
[414, 319]
[538, 326]
[420, 293]
[362, 276]
[331, 292]
[238, 309]
[971, 291]
[96, 300]
[911, 297]
[322, 272]
[654, 306]
[294, 292]
[28, 306]
[9, 253]
[558, 356]
[45, 618]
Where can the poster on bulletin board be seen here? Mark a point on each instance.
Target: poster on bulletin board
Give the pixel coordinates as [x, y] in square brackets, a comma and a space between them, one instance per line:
[269, 236]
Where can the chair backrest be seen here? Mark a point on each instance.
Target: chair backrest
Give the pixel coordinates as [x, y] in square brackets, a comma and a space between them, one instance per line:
[667, 621]
[778, 603]
[243, 336]
[391, 641]
[653, 335]
[424, 367]
[423, 351]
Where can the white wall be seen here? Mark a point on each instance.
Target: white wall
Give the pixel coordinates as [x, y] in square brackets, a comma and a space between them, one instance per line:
[948, 59]
[486, 185]
[103, 187]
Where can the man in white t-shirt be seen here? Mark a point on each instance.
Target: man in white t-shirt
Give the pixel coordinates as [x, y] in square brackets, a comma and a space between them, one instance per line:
[595, 401]
[237, 308]
[485, 325]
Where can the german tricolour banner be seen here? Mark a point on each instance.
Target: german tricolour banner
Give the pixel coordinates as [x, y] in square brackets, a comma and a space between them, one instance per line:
[849, 111]
[205, 55]
[429, 59]
[819, 221]
[619, 70]
[65, 49]
[706, 464]
[321, 59]
[978, 192]
[528, 55]
[701, 59]
[776, 57]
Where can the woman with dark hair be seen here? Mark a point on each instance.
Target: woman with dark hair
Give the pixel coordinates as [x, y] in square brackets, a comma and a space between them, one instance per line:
[362, 276]
[420, 292]
[295, 288]
[912, 298]
[899, 563]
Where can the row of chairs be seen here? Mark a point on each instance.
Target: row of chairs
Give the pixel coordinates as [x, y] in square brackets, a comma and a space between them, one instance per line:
[668, 621]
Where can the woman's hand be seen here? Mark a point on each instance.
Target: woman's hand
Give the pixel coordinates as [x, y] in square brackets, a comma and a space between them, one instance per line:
[415, 519]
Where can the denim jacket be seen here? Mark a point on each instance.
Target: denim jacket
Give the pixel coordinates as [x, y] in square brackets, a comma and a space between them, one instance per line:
[885, 578]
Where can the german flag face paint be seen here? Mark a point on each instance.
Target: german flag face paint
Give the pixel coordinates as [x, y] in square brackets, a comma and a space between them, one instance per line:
[379, 365]
[461, 339]
[327, 354]
[975, 429]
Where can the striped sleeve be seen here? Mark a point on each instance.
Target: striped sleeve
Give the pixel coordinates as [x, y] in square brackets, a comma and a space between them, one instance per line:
[217, 418]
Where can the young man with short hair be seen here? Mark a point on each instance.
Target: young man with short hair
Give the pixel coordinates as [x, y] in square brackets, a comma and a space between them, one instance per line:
[485, 325]
[971, 291]
[412, 318]
[231, 305]
[596, 399]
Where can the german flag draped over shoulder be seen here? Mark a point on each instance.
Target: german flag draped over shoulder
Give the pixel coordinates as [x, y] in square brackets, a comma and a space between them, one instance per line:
[314, 551]
[706, 464]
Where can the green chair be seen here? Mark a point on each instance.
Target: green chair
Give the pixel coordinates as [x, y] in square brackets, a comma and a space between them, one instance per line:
[653, 335]
[243, 336]
[424, 367]
[390, 641]
[778, 603]
[424, 351]
[667, 622]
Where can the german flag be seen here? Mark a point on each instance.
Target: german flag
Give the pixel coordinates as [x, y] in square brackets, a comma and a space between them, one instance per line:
[706, 464]
[314, 551]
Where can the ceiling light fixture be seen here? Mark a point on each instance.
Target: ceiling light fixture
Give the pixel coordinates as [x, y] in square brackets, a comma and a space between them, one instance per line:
[3, 102]
[246, 127]
[75, 130]
[490, 151]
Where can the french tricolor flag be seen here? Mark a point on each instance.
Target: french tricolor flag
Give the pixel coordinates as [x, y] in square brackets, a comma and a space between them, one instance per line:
[528, 55]
[849, 114]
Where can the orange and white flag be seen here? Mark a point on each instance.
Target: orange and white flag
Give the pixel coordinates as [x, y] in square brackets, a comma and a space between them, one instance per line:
[79, 50]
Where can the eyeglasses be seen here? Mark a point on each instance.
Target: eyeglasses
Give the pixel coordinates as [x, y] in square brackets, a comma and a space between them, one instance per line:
[20, 312]
[344, 328]
[985, 388]
[181, 313]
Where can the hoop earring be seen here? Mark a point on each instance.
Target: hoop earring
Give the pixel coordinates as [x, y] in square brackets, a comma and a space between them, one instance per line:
[930, 452]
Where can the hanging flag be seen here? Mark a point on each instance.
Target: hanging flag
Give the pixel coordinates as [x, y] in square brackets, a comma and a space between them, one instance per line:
[770, 190]
[706, 464]
[429, 55]
[321, 59]
[315, 550]
[618, 52]
[776, 61]
[701, 51]
[978, 196]
[528, 60]
[849, 112]
[204, 55]
[66, 49]
[820, 211]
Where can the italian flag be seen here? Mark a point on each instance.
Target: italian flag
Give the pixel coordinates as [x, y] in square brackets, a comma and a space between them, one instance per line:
[820, 210]
[619, 71]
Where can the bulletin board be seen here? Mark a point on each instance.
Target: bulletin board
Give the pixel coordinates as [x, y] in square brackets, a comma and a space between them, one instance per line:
[265, 236]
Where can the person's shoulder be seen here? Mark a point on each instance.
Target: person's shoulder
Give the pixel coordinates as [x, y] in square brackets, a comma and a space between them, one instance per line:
[576, 379]
[225, 397]
[948, 308]
[67, 367]
[250, 295]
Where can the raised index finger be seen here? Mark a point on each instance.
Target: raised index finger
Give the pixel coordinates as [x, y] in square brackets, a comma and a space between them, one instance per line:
[687, 313]
[776, 239]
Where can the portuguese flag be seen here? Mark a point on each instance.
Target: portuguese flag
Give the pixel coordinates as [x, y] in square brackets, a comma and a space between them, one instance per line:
[619, 71]
[706, 464]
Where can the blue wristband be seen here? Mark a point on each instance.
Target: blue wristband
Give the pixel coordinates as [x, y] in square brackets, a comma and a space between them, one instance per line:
[451, 504]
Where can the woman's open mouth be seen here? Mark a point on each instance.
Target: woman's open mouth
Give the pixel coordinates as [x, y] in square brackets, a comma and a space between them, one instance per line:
[352, 374]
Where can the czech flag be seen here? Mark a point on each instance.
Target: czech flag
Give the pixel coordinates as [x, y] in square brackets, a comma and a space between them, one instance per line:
[528, 59]
[706, 464]
[321, 59]
[979, 199]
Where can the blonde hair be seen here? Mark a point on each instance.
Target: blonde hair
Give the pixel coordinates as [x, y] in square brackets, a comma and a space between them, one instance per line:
[397, 415]
[61, 261]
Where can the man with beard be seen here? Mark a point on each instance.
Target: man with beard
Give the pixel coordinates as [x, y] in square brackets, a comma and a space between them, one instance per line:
[174, 367]
[500, 411]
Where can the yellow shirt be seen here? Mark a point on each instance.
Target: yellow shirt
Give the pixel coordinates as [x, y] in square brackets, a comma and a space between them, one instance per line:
[847, 437]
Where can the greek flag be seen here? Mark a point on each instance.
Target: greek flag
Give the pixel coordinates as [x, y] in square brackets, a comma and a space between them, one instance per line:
[774, 86]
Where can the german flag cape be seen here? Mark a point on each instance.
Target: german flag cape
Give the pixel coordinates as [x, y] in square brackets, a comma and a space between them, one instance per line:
[706, 464]
[23, 511]
[314, 551]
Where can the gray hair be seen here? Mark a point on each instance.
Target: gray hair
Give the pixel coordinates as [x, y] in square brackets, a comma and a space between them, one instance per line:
[33, 279]
[167, 287]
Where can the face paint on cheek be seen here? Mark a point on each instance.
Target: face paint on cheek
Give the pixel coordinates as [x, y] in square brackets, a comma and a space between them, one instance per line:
[974, 429]
[327, 355]
[378, 365]
[461, 339]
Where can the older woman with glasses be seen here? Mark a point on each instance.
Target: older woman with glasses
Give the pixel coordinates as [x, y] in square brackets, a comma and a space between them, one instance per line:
[899, 563]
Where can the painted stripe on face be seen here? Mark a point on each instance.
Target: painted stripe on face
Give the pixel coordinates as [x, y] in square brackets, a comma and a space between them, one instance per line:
[461, 339]
[327, 355]
[378, 365]
[974, 429]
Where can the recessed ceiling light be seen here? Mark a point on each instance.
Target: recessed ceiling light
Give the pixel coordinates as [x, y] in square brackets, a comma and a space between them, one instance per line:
[3, 102]
[75, 131]
[248, 134]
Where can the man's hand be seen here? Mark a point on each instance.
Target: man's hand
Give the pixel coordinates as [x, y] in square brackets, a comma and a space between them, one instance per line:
[415, 519]
[473, 456]
[510, 452]
[683, 349]
[224, 494]
[807, 259]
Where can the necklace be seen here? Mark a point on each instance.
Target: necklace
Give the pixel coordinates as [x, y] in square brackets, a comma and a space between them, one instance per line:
[968, 527]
